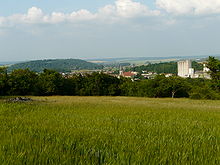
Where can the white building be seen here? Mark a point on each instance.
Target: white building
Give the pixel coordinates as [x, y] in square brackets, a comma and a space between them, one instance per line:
[205, 68]
[185, 69]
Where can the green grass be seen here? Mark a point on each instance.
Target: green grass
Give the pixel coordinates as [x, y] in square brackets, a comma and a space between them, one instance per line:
[110, 130]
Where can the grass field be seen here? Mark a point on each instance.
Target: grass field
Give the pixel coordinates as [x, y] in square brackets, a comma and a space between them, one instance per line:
[110, 130]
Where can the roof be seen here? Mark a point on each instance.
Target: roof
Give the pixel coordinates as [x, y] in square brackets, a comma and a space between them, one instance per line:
[128, 74]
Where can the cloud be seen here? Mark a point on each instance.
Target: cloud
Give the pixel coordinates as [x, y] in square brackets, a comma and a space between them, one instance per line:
[126, 9]
[34, 15]
[129, 8]
[118, 12]
[190, 7]
[121, 9]
[2, 21]
[81, 15]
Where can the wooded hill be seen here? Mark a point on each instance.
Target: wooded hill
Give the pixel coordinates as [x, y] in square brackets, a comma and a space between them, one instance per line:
[59, 65]
[166, 67]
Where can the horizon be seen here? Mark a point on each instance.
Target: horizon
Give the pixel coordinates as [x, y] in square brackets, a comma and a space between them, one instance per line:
[114, 59]
[108, 29]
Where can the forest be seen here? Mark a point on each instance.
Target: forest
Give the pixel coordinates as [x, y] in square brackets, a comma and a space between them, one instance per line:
[21, 82]
[59, 65]
[164, 67]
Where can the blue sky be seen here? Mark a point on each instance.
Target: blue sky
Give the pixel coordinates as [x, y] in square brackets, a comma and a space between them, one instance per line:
[13, 6]
[42, 29]
[9, 7]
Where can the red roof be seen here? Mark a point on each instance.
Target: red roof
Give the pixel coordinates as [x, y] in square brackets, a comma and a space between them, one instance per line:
[128, 74]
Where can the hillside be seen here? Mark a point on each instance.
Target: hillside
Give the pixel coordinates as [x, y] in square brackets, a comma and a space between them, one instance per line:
[60, 65]
[166, 67]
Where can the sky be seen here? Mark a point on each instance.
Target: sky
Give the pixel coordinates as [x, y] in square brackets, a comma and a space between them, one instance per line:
[49, 29]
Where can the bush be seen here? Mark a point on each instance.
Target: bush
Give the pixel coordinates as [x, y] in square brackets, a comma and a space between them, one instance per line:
[204, 93]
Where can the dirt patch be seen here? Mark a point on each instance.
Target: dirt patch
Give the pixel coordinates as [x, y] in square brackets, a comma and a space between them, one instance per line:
[19, 100]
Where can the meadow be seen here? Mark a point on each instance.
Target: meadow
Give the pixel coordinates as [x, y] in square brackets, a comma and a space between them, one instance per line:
[110, 130]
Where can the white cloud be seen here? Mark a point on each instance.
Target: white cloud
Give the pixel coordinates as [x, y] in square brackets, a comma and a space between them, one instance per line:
[129, 8]
[56, 17]
[2, 21]
[121, 9]
[81, 15]
[34, 14]
[188, 7]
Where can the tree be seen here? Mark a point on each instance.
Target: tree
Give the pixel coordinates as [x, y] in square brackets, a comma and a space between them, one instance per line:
[50, 83]
[214, 66]
[204, 92]
[127, 87]
[3, 81]
[22, 82]
[99, 84]
[177, 85]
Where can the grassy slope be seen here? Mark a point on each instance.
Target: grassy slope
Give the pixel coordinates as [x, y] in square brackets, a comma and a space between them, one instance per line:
[110, 130]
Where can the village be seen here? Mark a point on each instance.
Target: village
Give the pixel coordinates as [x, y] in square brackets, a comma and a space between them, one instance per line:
[184, 70]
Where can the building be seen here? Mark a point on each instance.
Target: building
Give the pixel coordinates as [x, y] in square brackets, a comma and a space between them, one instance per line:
[128, 74]
[185, 69]
[205, 68]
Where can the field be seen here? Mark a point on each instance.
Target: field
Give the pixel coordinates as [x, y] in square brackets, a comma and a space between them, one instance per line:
[110, 130]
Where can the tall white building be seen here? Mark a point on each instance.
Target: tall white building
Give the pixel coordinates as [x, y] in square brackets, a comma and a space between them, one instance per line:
[185, 68]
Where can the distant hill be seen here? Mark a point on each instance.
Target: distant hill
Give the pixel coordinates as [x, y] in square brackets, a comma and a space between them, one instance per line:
[166, 67]
[60, 65]
[7, 63]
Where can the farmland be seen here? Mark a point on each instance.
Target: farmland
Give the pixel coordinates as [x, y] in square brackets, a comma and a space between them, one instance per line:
[110, 130]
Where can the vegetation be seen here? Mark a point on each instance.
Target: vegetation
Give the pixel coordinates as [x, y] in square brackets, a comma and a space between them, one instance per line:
[214, 66]
[49, 82]
[110, 130]
[61, 65]
[166, 67]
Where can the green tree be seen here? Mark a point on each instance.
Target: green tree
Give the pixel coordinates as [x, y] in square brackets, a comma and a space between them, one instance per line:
[127, 87]
[3, 81]
[22, 82]
[204, 92]
[50, 83]
[99, 84]
[177, 87]
[214, 66]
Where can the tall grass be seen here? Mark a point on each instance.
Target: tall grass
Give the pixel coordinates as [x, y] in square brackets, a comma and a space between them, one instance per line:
[110, 130]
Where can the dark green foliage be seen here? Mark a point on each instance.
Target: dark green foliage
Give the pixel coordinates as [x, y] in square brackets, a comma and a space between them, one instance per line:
[204, 92]
[197, 66]
[203, 89]
[214, 66]
[3, 81]
[50, 82]
[26, 82]
[166, 67]
[99, 84]
[59, 65]
[160, 86]
[22, 82]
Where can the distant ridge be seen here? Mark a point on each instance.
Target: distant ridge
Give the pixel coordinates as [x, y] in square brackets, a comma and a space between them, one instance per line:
[60, 65]
[125, 59]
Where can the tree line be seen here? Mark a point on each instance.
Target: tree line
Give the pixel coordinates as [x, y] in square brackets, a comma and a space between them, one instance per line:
[25, 82]
[165, 67]
[59, 65]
